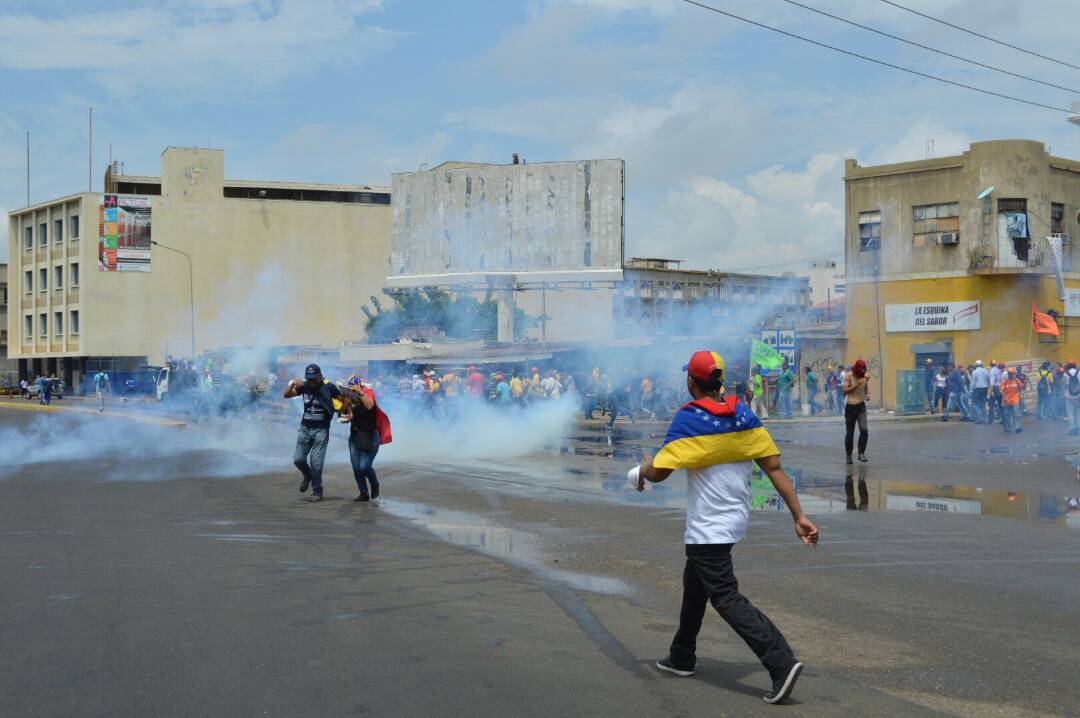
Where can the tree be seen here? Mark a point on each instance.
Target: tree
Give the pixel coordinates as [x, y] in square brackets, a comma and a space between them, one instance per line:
[460, 316]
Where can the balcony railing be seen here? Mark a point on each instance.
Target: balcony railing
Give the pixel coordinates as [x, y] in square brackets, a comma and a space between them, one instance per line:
[1020, 254]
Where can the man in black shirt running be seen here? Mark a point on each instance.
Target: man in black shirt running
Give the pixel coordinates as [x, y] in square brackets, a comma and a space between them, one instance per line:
[314, 433]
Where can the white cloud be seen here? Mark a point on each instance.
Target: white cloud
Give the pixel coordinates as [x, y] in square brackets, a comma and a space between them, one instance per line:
[181, 46]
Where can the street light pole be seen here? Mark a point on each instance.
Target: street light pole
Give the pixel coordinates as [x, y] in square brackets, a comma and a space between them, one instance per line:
[191, 289]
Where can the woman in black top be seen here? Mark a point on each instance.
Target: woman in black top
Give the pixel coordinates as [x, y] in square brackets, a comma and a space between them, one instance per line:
[358, 408]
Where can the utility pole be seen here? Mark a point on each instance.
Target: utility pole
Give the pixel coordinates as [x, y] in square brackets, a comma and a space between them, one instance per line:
[191, 289]
[28, 168]
[90, 155]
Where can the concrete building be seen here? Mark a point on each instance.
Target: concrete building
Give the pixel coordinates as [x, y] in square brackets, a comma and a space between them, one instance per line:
[8, 368]
[945, 256]
[657, 297]
[271, 264]
[826, 280]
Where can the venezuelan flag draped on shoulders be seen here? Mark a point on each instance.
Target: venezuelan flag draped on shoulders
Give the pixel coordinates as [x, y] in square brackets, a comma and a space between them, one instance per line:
[707, 432]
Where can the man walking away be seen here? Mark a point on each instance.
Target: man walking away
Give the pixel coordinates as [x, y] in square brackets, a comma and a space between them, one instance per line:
[1011, 387]
[811, 390]
[956, 394]
[980, 385]
[841, 377]
[314, 433]
[1044, 381]
[715, 439]
[758, 403]
[370, 429]
[784, 384]
[1072, 396]
[1057, 393]
[995, 392]
[101, 385]
[857, 393]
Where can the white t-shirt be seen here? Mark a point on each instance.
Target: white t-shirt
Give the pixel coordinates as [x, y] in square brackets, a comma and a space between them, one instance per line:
[717, 503]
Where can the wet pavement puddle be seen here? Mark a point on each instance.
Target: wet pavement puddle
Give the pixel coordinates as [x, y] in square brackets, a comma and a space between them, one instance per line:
[513, 546]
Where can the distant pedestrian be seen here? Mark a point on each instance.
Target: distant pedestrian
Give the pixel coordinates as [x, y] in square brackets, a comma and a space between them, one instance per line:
[995, 413]
[928, 382]
[24, 387]
[101, 387]
[1071, 383]
[757, 383]
[841, 376]
[980, 387]
[812, 390]
[1011, 388]
[941, 389]
[857, 393]
[1044, 386]
[1057, 393]
[715, 439]
[785, 382]
[314, 434]
[955, 386]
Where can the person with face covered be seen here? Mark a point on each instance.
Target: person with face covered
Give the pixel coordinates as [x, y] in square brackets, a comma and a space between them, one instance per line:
[370, 429]
[314, 434]
[856, 393]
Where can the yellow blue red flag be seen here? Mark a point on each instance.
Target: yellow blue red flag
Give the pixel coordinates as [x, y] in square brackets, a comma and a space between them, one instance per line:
[707, 432]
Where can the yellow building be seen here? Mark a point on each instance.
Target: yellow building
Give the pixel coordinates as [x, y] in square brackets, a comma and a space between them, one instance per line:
[271, 264]
[945, 256]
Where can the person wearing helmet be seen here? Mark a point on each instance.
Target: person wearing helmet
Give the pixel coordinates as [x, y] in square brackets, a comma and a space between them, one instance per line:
[717, 440]
[1011, 387]
[980, 386]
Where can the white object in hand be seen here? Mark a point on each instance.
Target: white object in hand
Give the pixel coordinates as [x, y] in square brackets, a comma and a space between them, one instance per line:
[634, 476]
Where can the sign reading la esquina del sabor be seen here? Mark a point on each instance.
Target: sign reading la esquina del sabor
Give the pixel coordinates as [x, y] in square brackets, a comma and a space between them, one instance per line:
[932, 317]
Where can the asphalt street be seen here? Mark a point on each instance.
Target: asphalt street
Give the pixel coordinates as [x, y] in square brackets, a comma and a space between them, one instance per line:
[152, 568]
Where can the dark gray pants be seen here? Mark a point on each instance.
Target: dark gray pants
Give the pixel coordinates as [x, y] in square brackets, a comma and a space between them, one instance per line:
[710, 578]
[310, 454]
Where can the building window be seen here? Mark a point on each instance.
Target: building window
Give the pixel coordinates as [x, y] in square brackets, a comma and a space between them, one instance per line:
[73, 275]
[28, 281]
[74, 328]
[28, 238]
[931, 220]
[73, 226]
[1013, 227]
[58, 323]
[3, 296]
[43, 325]
[43, 234]
[58, 230]
[43, 279]
[869, 231]
[1057, 218]
[58, 277]
[28, 326]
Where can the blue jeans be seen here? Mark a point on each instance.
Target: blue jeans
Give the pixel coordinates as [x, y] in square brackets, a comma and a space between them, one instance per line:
[785, 404]
[813, 404]
[1010, 419]
[310, 454]
[362, 463]
[978, 405]
[955, 399]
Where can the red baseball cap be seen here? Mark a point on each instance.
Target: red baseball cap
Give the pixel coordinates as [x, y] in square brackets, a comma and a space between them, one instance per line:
[703, 365]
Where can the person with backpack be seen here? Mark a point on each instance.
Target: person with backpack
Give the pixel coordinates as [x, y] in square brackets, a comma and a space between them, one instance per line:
[101, 386]
[1072, 396]
[1044, 382]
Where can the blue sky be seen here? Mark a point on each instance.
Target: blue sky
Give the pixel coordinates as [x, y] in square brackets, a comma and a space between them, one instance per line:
[734, 137]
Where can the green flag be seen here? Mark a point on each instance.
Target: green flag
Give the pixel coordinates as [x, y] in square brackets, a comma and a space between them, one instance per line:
[763, 354]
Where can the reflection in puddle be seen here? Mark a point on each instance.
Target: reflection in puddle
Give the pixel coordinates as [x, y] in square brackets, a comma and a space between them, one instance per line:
[510, 545]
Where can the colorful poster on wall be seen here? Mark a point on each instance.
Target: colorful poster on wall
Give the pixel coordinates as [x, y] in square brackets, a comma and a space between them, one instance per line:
[124, 234]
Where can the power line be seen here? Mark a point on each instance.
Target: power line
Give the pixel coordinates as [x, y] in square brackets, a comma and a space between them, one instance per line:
[876, 61]
[979, 34]
[932, 49]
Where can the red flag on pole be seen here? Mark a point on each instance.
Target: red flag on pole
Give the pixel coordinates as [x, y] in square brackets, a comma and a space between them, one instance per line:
[1043, 323]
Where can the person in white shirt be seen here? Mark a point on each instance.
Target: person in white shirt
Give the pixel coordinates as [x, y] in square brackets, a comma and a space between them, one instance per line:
[995, 411]
[716, 439]
[980, 386]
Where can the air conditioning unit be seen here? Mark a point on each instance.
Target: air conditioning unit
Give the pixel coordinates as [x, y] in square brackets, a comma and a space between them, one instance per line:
[949, 238]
